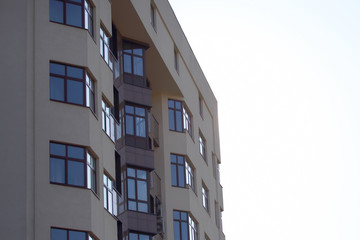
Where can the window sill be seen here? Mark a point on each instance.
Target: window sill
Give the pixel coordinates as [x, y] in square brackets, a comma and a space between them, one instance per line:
[75, 186]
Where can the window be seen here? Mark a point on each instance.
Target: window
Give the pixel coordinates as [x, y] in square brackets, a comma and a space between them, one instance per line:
[153, 16]
[105, 51]
[185, 228]
[134, 64]
[217, 214]
[108, 193]
[135, 118]
[181, 172]
[137, 186]
[75, 13]
[138, 236]
[72, 165]
[65, 234]
[202, 145]
[205, 197]
[71, 84]
[176, 60]
[179, 117]
[107, 120]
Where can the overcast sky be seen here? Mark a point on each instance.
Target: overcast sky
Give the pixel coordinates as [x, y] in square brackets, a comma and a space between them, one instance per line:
[286, 75]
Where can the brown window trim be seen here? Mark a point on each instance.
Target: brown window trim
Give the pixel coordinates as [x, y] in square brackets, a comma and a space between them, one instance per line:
[83, 9]
[136, 199]
[87, 233]
[82, 80]
[66, 158]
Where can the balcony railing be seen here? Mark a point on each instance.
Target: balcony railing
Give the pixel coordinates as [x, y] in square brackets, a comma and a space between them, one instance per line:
[154, 133]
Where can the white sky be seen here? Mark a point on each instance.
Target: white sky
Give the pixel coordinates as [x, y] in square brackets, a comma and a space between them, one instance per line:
[287, 78]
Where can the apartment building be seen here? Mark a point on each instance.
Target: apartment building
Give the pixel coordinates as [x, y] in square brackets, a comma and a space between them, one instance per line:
[109, 129]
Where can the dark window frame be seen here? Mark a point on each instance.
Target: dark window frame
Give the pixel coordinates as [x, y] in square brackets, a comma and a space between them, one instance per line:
[88, 236]
[85, 12]
[139, 235]
[202, 146]
[191, 224]
[153, 16]
[105, 47]
[188, 171]
[88, 87]
[128, 51]
[136, 179]
[205, 197]
[108, 191]
[107, 119]
[66, 158]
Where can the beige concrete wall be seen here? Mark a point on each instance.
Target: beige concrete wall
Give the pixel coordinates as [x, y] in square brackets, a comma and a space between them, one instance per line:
[16, 131]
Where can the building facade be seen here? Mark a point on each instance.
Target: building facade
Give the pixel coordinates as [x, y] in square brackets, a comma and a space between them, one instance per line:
[109, 129]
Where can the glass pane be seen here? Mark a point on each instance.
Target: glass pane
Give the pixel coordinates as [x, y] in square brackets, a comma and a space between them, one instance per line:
[173, 158]
[132, 205]
[57, 88]
[173, 175]
[171, 103]
[76, 152]
[133, 236]
[129, 109]
[176, 215]
[75, 235]
[76, 173]
[176, 230]
[131, 172]
[106, 53]
[141, 174]
[138, 66]
[127, 63]
[57, 170]
[105, 198]
[142, 190]
[181, 176]
[140, 111]
[56, 10]
[86, 19]
[75, 92]
[184, 231]
[140, 127]
[127, 47]
[58, 234]
[179, 127]
[101, 46]
[57, 149]
[177, 105]
[180, 159]
[183, 216]
[131, 188]
[142, 207]
[171, 120]
[56, 68]
[73, 15]
[89, 175]
[110, 201]
[138, 51]
[75, 72]
[129, 125]
[144, 237]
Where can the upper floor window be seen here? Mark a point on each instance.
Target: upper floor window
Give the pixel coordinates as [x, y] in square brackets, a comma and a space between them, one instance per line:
[108, 193]
[139, 236]
[185, 228]
[179, 117]
[202, 146]
[77, 13]
[134, 64]
[65, 234]
[135, 118]
[105, 51]
[137, 190]
[153, 16]
[72, 165]
[205, 197]
[108, 124]
[71, 84]
[181, 171]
